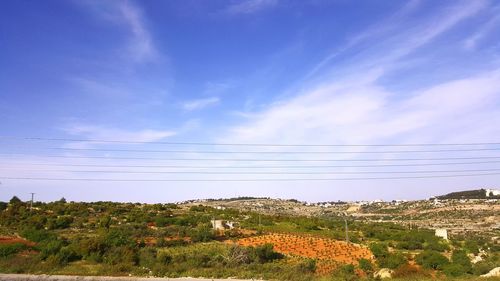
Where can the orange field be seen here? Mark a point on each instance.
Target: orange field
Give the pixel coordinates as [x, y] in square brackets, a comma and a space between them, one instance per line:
[329, 253]
[14, 240]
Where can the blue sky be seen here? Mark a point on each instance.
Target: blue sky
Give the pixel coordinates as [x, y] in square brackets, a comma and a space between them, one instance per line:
[251, 71]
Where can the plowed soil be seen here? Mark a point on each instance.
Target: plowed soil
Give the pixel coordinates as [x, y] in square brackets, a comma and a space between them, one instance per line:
[329, 253]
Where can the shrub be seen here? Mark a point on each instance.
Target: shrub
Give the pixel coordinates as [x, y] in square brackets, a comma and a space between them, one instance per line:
[459, 257]
[393, 261]
[345, 273]
[453, 270]
[265, 253]
[410, 245]
[307, 266]
[147, 257]
[10, 249]
[163, 258]
[483, 267]
[203, 233]
[432, 260]
[120, 255]
[37, 235]
[409, 271]
[366, 265]
[50, 248]
[436, 246]
[119, 237]
[471, 247]
[379, 250]
[65, 255]
[238, 255]
[63, 222]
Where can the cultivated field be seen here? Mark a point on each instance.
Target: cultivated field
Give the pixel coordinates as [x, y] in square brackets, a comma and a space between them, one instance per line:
[328, 252]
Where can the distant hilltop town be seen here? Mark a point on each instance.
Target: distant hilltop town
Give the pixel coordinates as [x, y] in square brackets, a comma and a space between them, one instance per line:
[472, 194]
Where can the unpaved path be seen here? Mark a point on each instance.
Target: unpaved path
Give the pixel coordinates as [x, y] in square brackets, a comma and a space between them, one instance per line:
[28, 277]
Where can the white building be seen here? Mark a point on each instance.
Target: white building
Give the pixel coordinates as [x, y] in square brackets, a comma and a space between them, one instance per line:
[441, 232]
[492, 192]
[223, 225]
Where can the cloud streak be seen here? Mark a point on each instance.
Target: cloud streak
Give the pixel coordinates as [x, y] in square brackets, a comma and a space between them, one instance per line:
[199, 104]
[95, 132]
[139, 45]
[250, 6]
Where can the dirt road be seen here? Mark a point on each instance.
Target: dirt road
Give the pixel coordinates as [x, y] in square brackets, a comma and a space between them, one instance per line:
[27, 277]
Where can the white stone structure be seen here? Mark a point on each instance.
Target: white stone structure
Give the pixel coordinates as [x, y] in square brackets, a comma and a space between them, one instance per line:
[441, 232]
[492, 192]
[223, 225]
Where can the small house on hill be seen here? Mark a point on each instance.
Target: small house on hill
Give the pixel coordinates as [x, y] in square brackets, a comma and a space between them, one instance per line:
[441, 232]
[223, 224]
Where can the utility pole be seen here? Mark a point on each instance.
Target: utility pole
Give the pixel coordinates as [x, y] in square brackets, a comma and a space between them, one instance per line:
[31, 204]
[346, 229]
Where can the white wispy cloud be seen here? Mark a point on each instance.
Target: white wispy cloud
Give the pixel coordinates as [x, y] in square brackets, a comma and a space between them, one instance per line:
[249, 6]
[200, 103]
[214, 88]
[97, 132]
[471, 42]
[401, 43]
[354, 107]
[350, 112]
[139, 45]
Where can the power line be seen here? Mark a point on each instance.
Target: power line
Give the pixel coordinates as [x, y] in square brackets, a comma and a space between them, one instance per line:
[267, 173]
[258, 167]
[244, 144]
[271, 152]
[244, 180]
[257, 160]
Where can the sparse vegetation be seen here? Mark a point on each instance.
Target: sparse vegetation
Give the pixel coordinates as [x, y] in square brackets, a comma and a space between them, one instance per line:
[106, 238]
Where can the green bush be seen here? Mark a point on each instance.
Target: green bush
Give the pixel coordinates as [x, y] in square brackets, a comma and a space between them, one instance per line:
[483, 267]
[366, 265]
[454, 270]
[432, 260]
[63, 222]
[460, 258]
[407, 271]
[163, 258]
[393, 261]
[121, 255]
[265, 253]
[379, 250]
[147, 257]
[65, 255]
[345, 273]
[436, 246]
[50, 248]
[38, 235]
[10, 249]
[307, 266]
[202, 233]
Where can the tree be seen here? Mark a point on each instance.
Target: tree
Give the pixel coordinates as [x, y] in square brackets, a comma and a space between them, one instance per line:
[15, 200]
